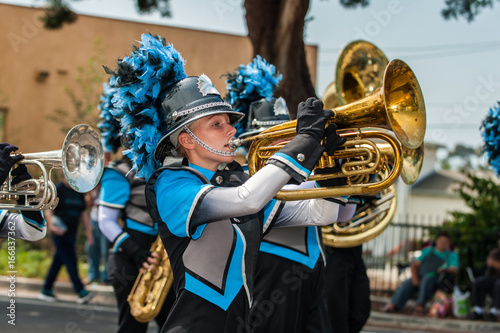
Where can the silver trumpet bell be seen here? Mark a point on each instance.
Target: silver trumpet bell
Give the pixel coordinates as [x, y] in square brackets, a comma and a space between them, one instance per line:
[81, 160]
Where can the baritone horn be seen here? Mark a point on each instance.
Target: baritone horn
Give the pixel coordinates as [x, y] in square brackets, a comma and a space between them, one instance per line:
[151, 287]
[369, 220]
[81, 160]
[395, 107]
[359, 72]
[374, 216]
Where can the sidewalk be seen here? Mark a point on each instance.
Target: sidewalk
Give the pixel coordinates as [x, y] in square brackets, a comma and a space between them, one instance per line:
[29, 288]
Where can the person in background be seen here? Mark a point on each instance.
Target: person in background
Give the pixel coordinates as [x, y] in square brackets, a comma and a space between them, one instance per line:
[97, 252]
[125, 222]
[488, 284]
[28, 225]
[63, 222]
[347, 291]
[437, 263]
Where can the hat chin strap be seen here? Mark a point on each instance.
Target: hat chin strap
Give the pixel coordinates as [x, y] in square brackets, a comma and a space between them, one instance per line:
[207, 147]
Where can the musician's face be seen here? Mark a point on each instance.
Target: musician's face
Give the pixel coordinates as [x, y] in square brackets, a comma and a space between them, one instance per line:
[215, 131]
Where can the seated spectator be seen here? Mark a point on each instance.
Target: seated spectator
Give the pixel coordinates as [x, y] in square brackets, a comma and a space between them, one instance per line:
[436, 267]
[488, 284]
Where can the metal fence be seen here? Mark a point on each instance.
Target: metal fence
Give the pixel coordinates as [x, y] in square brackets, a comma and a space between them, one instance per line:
[388, 256]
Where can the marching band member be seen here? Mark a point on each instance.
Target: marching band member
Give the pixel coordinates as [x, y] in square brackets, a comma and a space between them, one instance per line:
[122, 197]
[289, 270]
[347, 292]
[210, 214]
[29, 225]
[290, 263]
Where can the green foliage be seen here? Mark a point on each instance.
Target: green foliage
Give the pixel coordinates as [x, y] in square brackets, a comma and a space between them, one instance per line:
[57, 13]
[474, 233]
[30, 261]
[33, 259]
[86, 98]
[354, 3]
[149, 6]
[462, 158]
[469, 9]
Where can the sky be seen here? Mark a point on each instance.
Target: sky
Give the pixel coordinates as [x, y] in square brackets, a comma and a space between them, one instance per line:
[455, 61]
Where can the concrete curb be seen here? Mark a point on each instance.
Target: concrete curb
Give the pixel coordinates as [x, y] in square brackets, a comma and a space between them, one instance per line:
[60, 286]
[30, 287]
[427, 323]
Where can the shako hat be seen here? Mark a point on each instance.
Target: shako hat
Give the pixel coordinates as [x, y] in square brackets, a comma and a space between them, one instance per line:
[186, 101]
[264, 114]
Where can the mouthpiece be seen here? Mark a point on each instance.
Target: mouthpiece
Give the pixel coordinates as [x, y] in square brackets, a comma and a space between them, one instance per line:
[235, 142]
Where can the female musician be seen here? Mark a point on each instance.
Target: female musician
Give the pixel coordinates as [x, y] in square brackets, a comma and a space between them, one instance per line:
[210, 215]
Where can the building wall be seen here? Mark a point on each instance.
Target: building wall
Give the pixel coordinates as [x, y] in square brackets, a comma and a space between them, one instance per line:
[437, 206]
[30, 52]
[428, 204]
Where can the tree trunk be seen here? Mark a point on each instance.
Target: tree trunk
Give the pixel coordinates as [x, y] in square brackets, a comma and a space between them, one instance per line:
[276, 30]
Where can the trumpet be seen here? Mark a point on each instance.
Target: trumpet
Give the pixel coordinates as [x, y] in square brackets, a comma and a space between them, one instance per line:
[394, 113]
[81, 160]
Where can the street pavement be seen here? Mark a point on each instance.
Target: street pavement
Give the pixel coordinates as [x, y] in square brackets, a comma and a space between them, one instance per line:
[100, 315]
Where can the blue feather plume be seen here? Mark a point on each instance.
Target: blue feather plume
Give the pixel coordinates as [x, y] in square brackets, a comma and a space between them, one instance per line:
[108, 125]
[140, 80]
[250, 83]
[490, 131]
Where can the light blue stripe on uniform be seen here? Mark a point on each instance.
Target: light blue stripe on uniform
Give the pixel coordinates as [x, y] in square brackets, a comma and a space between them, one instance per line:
[119, 241]
[234, 281]
[292, 164]
[115, 189]
[313, 247]
[205, 172]
[131, 224]
[177, 194]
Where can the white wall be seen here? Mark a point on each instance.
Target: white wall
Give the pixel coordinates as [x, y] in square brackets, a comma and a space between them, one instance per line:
[438, 206]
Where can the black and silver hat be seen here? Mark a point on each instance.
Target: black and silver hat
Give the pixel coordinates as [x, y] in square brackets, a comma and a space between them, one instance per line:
[264, 114]
[186, 101]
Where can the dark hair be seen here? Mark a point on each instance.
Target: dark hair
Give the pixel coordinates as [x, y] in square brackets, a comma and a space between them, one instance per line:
[443, 233]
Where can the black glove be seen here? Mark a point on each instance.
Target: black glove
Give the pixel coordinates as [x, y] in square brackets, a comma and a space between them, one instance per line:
[312, 119]
[7, 161]
[20, 174]
[332, 139]
[133, 252]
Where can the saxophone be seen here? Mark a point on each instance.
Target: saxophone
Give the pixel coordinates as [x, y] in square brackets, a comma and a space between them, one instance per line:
[151, 287]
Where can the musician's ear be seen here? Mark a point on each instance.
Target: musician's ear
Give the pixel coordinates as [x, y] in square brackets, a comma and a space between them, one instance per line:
[186, 141]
